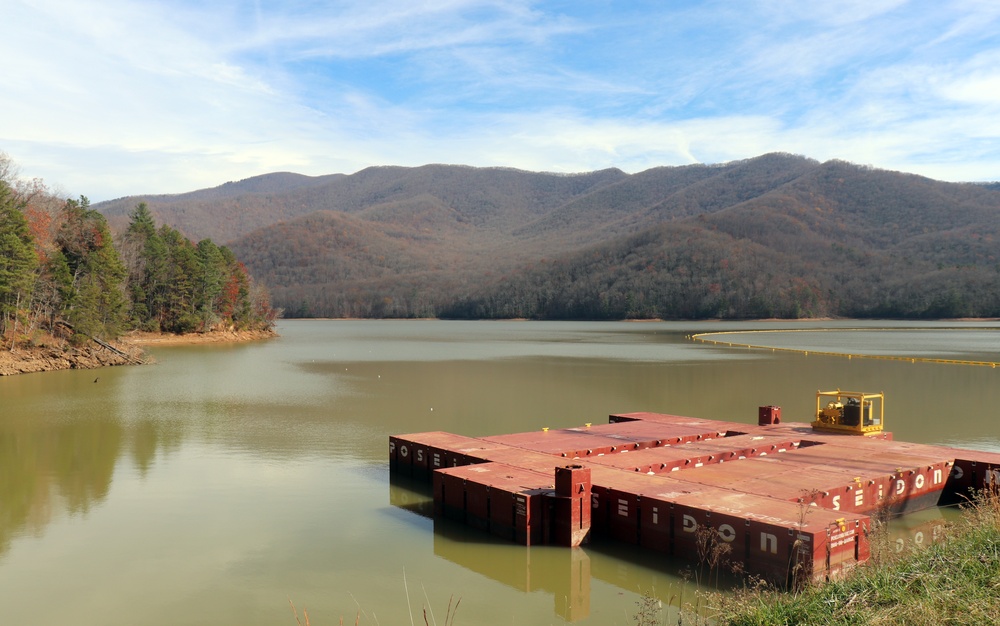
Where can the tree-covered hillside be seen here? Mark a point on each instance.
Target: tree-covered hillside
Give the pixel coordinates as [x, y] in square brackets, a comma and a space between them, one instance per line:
[63, 274]
[777, 235]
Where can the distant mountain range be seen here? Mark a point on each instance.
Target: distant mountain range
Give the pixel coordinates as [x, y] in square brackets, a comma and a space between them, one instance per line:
[774, 236]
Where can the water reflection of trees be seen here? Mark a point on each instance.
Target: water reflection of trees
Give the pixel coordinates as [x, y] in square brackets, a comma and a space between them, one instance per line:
[149, 437]
[73, 462]
[46, 469]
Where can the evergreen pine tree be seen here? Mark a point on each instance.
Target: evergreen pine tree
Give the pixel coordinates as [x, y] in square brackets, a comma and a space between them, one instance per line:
[145, 256]
[178, 309]
[17, 260]
[210, 281]
[96, 305]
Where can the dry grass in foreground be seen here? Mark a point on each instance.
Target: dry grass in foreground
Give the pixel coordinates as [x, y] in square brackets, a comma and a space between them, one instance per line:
[953, 582]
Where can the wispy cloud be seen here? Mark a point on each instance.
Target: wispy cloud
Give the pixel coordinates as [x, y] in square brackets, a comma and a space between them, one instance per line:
[114, 97]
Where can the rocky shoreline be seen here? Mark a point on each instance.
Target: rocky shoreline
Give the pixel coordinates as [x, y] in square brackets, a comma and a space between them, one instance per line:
[26, 360]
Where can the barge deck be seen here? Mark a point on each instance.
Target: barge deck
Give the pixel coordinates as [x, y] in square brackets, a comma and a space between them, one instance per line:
[783, 501]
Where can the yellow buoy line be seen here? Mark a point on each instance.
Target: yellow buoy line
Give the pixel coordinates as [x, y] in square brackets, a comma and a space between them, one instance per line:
[706, 338]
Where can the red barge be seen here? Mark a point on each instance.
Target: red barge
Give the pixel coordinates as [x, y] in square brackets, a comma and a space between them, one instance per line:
[790, 502]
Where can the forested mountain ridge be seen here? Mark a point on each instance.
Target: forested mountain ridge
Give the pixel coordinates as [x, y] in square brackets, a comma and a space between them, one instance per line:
[777, 235]
[484, 196]
[224, 212]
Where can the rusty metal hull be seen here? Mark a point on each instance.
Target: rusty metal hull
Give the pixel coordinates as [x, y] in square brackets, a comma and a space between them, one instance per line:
[778, 500]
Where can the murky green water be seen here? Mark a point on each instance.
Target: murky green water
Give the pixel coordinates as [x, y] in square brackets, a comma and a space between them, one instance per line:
[213, 487]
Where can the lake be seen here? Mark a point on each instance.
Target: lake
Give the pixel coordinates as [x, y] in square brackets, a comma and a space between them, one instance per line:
[225, 480]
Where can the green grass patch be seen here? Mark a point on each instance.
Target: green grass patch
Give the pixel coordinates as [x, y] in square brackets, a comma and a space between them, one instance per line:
[953, 582]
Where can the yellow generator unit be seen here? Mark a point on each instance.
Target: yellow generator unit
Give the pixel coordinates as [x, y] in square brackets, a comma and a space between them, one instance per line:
[849, 412]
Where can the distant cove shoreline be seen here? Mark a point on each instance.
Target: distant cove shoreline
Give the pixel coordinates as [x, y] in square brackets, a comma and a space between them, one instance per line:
[50, 358]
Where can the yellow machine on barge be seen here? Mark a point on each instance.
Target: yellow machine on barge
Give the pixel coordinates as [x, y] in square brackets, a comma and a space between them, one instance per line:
[850, 412]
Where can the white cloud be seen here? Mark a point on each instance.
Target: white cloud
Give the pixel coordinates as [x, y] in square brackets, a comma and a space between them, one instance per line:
[971, 19]
[828, 14]
[110, 97]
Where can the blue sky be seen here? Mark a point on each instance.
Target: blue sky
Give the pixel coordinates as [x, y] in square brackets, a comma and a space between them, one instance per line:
[110, 97]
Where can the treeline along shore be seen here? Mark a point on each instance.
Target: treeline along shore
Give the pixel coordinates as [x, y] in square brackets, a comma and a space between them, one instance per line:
[75, 295]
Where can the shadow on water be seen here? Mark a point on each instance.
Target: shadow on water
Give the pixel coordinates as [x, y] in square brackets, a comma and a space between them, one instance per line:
[565, 574]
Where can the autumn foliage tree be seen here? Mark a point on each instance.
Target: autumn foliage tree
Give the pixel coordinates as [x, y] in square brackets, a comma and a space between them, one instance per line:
[62, 271]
